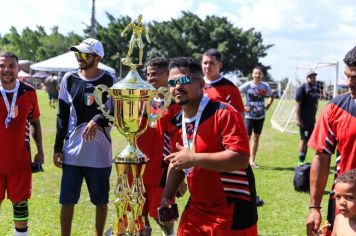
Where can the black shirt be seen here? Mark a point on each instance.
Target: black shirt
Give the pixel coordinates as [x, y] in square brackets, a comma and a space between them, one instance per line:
[308, 98]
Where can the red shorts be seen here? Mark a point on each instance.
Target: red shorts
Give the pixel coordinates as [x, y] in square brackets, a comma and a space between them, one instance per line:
[17, 186]
[153, 197]
[193, 223]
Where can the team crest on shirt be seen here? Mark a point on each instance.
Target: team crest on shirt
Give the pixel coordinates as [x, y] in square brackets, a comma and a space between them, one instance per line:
[88, 99]
[16, 112]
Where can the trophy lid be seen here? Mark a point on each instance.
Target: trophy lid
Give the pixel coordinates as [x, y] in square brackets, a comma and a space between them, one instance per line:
[133, 81]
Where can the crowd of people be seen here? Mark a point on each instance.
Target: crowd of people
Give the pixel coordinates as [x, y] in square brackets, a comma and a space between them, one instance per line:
[203, 135]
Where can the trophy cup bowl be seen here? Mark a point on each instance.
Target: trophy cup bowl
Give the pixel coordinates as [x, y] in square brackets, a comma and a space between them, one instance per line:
[131, 99]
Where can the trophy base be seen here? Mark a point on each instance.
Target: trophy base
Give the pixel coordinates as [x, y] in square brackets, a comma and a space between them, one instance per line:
[130, 155]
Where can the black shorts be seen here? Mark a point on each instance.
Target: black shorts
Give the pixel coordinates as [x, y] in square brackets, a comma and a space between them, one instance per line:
[254, 125]
[305, 132]
[52, 96]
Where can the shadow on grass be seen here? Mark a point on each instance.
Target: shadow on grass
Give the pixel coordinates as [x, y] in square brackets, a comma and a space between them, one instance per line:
[278, 168]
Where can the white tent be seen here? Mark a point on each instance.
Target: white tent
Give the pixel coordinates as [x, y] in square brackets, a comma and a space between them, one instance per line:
[63, 63]
[23, 74]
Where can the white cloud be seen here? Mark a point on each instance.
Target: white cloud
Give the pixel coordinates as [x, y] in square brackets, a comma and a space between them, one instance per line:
[158, 10]
[266, 15]
[207, 9]
[348, 14]
[301, 23]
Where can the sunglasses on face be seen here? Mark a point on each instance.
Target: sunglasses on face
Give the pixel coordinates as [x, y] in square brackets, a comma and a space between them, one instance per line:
[83, 55]
[181, 80]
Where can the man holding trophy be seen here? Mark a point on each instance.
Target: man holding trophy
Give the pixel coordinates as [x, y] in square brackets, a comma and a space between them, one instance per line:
[154, 177]
[209, 145]
[83, 145]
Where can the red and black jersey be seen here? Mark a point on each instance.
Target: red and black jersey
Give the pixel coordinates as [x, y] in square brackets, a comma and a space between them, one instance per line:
[154, 143]
[336, 128]
[213, 193]
[15, 140]
[224, 90]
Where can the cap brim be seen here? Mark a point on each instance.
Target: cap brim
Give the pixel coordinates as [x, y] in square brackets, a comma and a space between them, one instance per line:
[80, 49]
[312, 74]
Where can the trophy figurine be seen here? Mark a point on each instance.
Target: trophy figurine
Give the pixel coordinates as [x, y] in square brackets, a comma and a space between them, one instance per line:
[131, 99]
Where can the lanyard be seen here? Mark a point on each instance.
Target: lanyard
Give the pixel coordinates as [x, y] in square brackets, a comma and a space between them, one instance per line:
[10, 109]
[204, 101]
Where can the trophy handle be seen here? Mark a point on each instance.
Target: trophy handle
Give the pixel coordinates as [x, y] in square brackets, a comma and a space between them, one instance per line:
[154, 117]
[98, 95]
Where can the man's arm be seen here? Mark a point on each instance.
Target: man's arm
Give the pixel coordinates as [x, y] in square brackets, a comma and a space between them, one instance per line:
[126, 29]
[269, 102]
[37, 137]
[62, 126]
[319, 173]
[174, 179]
[298, 110]
[223, 161]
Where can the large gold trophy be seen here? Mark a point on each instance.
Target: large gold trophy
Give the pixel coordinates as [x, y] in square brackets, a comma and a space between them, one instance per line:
[131, 98]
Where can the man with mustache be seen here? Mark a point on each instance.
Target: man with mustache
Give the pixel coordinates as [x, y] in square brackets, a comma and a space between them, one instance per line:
[18, 111]
[154, 143]
[335, 129]
[83, 144]
[209, 145]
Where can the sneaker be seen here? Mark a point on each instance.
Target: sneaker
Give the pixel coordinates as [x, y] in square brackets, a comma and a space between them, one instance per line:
[254, 165]
[300, 163]
[108, 232]
[146, 232]
[259, 201]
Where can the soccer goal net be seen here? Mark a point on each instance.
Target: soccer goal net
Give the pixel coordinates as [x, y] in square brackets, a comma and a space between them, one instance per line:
[284, 117]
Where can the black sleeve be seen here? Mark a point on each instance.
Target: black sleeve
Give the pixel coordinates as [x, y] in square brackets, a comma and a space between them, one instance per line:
[100, 119]
[299, 94]
[62, 125]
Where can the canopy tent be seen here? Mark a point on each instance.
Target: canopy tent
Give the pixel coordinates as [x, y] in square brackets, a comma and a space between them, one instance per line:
[23, 74]
[63, 63]
[25, 65]
[40, 74]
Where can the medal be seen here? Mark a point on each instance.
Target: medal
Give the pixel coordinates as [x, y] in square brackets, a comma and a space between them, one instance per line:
[7, 121]
[10, 109]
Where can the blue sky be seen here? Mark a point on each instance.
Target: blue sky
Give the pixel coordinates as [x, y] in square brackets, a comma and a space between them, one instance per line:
[303, 32]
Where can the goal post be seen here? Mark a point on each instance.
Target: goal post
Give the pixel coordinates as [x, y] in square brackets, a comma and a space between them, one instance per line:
[284, 116]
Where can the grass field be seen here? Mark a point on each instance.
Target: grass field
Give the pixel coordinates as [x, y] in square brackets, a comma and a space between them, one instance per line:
[284, 212]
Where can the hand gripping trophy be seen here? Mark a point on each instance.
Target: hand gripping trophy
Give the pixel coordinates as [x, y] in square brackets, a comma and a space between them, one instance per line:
[131, 98]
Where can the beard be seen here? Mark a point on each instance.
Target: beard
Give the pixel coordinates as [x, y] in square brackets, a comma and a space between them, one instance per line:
[8, 78]
[83, 65]
[179, 97]
[181, 102]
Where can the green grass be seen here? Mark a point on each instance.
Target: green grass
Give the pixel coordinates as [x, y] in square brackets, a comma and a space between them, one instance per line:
[284, 212]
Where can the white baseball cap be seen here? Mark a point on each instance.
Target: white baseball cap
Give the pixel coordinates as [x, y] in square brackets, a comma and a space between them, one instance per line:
[311, 72]
[89, 45]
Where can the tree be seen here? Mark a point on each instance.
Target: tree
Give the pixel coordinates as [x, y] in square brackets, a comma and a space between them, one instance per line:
[191, 36]
[37, 45]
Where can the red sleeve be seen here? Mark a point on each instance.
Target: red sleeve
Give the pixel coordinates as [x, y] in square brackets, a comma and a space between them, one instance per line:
[323, 138]
[236, 100]
[36, 110]
[233, 131]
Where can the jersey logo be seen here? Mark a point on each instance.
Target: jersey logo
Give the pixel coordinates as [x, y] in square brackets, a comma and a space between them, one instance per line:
[262, 92]
[88, 99]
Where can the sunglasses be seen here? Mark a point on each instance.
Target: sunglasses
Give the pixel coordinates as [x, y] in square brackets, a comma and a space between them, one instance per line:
[83, 55]
[181, 80]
